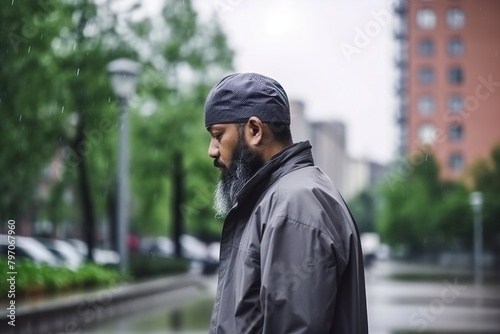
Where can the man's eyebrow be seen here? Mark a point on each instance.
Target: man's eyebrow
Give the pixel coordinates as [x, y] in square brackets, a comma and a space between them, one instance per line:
[214, 128]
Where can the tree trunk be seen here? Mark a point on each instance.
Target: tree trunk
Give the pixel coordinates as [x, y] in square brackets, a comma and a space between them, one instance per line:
[88, 223]
[178, 199]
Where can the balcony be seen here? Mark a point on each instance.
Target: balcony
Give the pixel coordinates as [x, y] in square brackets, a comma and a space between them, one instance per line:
[401, 7]
[401, 61]
[401, 115]
[401, 89]
[401, 32]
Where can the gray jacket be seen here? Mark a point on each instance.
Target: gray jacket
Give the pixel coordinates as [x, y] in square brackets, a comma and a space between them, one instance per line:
[290, 260]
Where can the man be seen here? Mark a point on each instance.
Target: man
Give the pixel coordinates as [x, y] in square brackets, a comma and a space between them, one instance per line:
[290, 258]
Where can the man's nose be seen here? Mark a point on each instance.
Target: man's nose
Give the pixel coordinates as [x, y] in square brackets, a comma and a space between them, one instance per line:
[213, 149]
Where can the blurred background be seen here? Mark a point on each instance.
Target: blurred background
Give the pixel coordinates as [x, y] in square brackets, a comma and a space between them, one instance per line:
[107, 186]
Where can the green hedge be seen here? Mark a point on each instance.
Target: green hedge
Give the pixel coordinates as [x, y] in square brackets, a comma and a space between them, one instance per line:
[142, 266]
[39, 279]
[35, 279]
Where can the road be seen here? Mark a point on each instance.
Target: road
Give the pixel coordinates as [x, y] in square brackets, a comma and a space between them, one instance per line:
[440, 307]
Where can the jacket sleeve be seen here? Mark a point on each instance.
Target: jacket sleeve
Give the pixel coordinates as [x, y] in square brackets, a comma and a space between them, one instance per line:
[299, 278]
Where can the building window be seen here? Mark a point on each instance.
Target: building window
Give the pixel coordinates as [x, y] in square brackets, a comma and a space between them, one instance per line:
[455, 46]
[426, 18]
[455, 75]
[456, 162]
[427, 133]
[426, 47]
[455, 18]
[455, 103]
[426, 104]
[426, 75]
[455, 132]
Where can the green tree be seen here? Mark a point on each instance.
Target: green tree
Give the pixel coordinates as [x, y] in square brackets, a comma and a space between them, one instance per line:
[55, 99]
[30, 102]
[364, 209]
[422, 212]
[486, 178]
[169, 159]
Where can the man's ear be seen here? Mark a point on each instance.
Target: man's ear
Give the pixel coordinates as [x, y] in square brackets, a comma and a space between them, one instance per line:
[255, 131]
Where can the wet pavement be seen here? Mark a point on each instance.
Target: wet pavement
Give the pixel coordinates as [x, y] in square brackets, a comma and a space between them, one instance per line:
[394, 307]
[187, 311]
[445, 306]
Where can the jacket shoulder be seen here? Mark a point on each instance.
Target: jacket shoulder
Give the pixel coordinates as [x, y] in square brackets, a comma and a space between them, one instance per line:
[308, 185]
[307, 195]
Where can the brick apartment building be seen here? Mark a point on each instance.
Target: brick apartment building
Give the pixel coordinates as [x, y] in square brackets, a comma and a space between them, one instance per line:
[448, 58]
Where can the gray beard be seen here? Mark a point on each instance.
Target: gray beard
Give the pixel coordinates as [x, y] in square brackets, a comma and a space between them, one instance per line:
[246, 163]
[225, 196]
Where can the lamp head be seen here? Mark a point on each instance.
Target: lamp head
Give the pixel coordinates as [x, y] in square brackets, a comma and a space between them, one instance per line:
[123, 74]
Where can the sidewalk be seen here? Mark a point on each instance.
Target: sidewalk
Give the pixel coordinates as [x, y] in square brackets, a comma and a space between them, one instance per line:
[72, 312]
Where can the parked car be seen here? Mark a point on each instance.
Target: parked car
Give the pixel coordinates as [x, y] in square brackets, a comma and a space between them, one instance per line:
[28, 248]
[200, 255]
[370, 243]
[105, 257]
[157, 246]
[64, 251]
[214, 250]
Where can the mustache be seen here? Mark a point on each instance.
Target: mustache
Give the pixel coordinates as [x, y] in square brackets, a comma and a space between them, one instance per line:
[218, 164]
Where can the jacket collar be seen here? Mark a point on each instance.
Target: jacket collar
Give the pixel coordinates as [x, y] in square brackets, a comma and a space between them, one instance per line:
[293, 157]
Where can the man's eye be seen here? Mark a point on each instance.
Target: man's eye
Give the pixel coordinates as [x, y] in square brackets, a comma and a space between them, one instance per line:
[218, 136]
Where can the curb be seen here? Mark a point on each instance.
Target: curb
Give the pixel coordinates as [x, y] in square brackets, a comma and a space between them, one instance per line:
[71, 314]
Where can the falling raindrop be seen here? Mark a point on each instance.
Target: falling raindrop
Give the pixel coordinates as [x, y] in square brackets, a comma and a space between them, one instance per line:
[74, 46]
[29, 49]
[62, 109]
[78, 71]
[425, 156]
[109, 99]
[41, 36]
[20, 117]
[12, 3]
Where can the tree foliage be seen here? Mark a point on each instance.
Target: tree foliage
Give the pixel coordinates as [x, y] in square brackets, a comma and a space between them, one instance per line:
[195, 54]
[55, 100]
[486, 176]
[364, 209]
[424, 213]
[30, 112]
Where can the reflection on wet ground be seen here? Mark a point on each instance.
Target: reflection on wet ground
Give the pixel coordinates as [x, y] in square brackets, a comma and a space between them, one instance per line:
[187, 311]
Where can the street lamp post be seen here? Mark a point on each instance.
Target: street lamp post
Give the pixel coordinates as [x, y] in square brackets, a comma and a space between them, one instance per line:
[123, 74]
[476, 200]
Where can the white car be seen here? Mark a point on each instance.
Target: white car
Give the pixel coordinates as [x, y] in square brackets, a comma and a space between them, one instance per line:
[28, 248]
[101, 256]
[202, 257]
[157, 246]
[64, 251]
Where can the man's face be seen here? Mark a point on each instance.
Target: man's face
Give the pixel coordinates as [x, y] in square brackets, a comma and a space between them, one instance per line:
[224, 139]
[236, 161]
